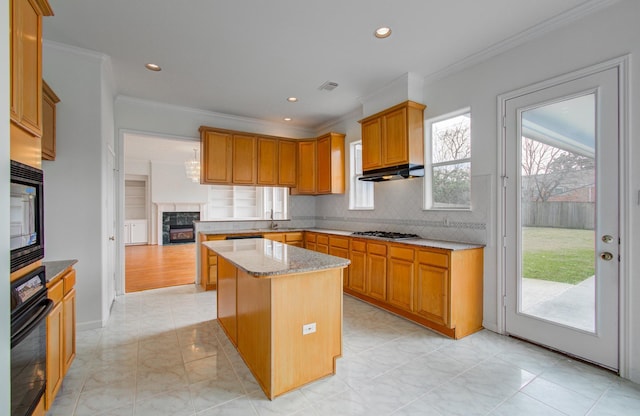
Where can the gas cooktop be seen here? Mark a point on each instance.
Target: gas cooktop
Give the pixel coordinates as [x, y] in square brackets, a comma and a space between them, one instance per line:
[387, 235]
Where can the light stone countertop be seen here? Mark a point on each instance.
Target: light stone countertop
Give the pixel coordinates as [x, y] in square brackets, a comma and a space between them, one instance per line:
[260, 257]
[53, 269]
[421, 242]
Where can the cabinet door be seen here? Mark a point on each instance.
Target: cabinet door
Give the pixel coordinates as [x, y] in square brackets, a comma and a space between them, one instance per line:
[26, 68]
[323, 149]
[267, 161]
[49, 100]
[344, 253]
[138, 232]
[432, 293]
[377, 270]
[227, 292]
[372, 144]
[395, 150]
[400, 277]
[306, 168]
[287, 163]
[279, 237]
[244, 159]
[55, 341]
[126, 237]
[216, 151]
[357, 271]
[69, 329]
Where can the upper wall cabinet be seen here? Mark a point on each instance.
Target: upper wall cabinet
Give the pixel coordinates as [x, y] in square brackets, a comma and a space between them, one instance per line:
[239, 158]
[49, 101]
[26, 78]
[321, 165]
[393, 137]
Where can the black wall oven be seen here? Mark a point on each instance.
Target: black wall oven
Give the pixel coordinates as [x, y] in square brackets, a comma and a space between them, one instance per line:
[29, 310]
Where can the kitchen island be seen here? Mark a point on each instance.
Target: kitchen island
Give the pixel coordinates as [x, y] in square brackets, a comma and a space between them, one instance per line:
[281, 306]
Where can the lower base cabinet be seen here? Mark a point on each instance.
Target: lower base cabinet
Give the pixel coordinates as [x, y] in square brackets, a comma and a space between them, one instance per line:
[61, 332]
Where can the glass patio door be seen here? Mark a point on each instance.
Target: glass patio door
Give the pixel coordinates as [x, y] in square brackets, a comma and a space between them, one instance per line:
[561, 217]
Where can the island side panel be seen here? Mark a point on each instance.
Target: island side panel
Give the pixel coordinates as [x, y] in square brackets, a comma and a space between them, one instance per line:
[466, 291]
[254, 327]
[297, 300]
[227, 299]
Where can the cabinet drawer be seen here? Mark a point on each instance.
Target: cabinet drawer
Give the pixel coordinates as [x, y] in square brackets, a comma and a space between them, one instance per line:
[375, 248]
[69, 281]
[293, 237]
[436, 259]
[323, 239]
[339, 242]
[56, 292]
[213, 260]
[310, 237]
[403, 253]
[213, 273]
[357, 245]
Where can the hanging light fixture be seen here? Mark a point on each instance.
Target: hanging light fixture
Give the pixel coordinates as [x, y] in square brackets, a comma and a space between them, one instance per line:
[192, 167]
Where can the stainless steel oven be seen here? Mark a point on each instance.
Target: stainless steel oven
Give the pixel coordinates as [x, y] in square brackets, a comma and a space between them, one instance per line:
[29, 310]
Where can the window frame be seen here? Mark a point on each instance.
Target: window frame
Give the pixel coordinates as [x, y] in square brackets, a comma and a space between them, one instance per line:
[428, 204]
[356, 185]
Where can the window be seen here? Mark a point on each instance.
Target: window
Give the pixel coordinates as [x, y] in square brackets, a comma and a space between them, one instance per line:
[448, 177]
[360, 192]
[247, 202]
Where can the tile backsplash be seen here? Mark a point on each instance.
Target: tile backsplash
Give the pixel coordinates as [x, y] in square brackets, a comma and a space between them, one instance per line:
[397, 207]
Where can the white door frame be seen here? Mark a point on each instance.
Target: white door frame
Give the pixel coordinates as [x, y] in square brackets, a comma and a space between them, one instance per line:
[622, 64]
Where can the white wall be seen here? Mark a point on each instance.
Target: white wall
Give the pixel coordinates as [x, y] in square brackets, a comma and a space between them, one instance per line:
[5, 308]
[74, 182]
[170, 184]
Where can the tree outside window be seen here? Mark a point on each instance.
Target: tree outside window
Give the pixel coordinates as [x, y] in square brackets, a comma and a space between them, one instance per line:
[449, 184]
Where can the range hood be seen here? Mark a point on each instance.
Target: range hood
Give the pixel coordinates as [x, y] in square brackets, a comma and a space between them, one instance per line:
[391, 173]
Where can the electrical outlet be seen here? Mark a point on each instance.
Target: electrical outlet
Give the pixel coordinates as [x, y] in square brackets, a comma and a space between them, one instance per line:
[309, 328]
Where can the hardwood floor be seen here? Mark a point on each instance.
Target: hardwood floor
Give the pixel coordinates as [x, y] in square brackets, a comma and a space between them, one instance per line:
[153, 266]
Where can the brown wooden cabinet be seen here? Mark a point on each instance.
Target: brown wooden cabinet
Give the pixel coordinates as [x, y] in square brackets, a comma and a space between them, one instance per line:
[321, 166]
[310, 239]
[287, 163]
[61, 332]
[358, 266]
[339, 247]
[244, 161]
[401, 277]
[208, 263]
[26, 79]
[307, 168]
[330, 164]
[49, 101]
[394, 136]
[55, 340]
[377, 270]
[322, 243]
[227, 305]
[267, 161]
[216, 150]
[432, 286]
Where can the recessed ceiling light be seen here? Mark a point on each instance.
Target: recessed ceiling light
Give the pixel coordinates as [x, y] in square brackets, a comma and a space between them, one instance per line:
[292, 99]
[382, 32]
[287, 119]
[153, 67]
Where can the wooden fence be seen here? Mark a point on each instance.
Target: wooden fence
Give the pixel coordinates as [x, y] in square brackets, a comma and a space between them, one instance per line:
[578, 215]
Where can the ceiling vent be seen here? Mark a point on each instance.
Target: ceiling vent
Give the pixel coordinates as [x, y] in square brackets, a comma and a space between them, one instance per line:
[328, 86]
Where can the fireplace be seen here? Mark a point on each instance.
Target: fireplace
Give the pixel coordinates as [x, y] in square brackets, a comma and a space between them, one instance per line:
[178, 227]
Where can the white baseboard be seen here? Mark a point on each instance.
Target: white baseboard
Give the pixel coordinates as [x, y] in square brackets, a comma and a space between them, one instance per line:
[84, 326]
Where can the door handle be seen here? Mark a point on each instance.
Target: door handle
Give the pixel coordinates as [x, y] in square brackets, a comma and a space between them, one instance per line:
[112, 238]
[606, 256]
[607, 238]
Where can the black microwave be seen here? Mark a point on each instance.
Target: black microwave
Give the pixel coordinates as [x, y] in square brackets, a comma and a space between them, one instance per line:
[26, 215]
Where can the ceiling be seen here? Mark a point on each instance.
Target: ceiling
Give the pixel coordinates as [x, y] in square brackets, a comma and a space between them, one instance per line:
[244, 58]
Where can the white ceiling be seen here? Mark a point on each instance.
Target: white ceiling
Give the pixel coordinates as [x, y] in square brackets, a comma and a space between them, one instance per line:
[244, 57]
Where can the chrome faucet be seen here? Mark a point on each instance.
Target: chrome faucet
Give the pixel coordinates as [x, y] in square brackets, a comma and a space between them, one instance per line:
[274, 225]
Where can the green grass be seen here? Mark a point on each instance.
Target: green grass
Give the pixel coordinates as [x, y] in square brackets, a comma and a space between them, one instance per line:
[557, 254]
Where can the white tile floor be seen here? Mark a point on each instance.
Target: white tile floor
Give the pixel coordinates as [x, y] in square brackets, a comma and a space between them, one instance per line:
[162, 353]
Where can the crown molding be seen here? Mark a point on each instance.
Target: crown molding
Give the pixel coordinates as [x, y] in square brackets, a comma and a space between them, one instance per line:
[76, 50]
[526, 35]
[355, 114]
[293, 131]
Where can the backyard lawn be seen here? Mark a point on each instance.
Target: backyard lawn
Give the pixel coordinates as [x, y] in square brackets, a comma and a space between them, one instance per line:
[557, 254]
